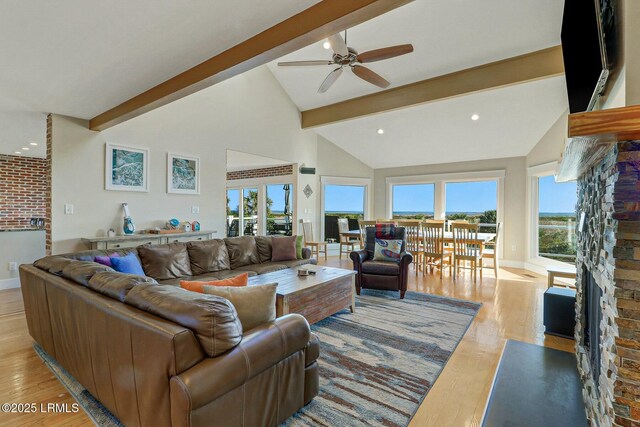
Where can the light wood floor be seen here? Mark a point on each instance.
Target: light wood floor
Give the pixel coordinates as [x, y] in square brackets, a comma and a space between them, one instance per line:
[512, 309]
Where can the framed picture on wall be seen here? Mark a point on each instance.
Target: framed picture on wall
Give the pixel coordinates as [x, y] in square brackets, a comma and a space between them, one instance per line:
[183, 174]
[126, 168]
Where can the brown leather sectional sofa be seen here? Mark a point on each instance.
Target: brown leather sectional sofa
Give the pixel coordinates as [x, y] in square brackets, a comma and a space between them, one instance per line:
[157, 355]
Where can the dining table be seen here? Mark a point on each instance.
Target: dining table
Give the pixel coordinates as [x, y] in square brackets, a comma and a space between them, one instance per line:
[482, 239]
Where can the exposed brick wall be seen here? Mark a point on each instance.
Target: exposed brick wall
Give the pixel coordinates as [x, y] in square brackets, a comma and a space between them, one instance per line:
[48, 239]
[22, 191]
[260, 173]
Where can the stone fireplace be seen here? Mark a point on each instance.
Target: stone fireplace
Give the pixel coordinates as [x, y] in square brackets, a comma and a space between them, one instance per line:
[608, 285]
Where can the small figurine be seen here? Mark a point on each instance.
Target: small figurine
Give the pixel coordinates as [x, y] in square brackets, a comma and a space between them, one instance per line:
[195, 226]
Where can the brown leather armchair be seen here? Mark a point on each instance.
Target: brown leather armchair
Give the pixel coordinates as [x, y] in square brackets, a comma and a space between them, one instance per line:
[383, 275]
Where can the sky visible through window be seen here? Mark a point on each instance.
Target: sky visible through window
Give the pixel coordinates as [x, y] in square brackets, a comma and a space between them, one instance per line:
[276, 193]
[232, 201]
[471, 197]
[344, 198]
[413, 199]
[556, 197]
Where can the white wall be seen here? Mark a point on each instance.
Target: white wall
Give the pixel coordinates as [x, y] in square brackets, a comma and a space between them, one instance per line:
[333, 161]
[249, 113]
[551, 145]
[23, 247]
[514, 195]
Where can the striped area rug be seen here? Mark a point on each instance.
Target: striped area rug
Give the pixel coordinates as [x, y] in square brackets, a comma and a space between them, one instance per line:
[377, 365]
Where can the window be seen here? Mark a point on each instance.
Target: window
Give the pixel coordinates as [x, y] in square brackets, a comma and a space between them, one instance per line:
[233, 212]
[474, 201]
[413, 201]
[342, 201]
[250, 211]
[259, 209]
[556, 219]
[279, 209]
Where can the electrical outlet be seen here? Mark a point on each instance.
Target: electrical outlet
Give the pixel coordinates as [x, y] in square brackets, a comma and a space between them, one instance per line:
[513, 248]
[195, 209]
[13, 266]
[68, 209]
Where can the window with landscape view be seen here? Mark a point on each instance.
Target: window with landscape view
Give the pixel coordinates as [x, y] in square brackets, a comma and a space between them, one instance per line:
[413, 201]
[556, 219]
[474, 201]
[279, 209]
[233, 212]
[342, 201]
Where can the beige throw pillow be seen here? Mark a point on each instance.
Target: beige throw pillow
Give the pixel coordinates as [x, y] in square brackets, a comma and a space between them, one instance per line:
[255, 304]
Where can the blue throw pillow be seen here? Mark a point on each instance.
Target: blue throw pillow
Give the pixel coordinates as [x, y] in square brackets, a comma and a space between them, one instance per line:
[127, 264]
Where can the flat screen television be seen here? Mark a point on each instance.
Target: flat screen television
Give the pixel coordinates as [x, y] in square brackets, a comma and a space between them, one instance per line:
[589, 46]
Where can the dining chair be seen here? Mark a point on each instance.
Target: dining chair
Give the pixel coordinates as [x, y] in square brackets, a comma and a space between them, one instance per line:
[362, 225]
[412, 233]
[387, 221]
[345, 240]
[316, 247]
[466, 247]
[450, 223]
[490, 250]
[433, 251]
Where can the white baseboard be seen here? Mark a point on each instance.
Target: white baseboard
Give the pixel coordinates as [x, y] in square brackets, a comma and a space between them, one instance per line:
[512, 264]
[536, 268]
[10, 283]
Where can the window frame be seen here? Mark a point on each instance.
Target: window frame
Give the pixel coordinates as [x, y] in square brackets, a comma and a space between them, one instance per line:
[535, 262]
[344, 181]
[261, 185]
[390, 194]
[440, 197]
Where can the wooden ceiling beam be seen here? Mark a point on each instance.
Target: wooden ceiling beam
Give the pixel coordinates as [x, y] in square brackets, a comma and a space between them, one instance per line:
[529, 67]
[309, 26]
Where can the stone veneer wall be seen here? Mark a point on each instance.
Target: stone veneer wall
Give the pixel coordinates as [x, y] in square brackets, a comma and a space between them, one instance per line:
[609, 246]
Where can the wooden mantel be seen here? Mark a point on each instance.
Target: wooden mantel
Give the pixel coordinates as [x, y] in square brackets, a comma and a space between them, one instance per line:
[592, 135]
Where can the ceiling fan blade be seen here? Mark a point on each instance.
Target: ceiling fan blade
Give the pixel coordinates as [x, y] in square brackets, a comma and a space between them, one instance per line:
[330, 80]
[385, 53]
[304, 63]
[338, 45]
[366, 74]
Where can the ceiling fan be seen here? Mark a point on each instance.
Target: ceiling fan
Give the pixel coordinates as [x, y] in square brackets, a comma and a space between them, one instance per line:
[344, 56]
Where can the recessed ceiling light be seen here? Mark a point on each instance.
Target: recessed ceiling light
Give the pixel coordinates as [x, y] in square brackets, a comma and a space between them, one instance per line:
[25, 148]
[380, 131]
[33, 143]
[475, 117]
[18, 152]
[326, 45]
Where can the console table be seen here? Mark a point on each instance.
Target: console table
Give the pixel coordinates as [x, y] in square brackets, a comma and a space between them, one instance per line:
[133, 240]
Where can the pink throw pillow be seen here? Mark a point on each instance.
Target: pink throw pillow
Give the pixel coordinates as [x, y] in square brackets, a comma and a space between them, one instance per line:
[283, 248]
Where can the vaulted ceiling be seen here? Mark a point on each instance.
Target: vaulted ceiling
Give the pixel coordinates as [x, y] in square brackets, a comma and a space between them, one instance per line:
[82, 57]
[447, 37]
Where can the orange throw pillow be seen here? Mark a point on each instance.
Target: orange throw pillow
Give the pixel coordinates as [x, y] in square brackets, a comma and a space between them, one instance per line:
[240, 280]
